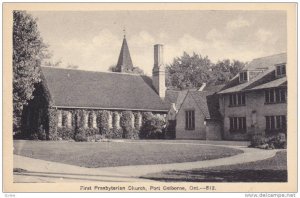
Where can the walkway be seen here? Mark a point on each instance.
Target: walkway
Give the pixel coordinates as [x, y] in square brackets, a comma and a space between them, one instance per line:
[45, 171]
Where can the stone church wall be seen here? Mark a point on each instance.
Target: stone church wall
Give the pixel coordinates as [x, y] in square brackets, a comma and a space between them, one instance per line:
[90, 125]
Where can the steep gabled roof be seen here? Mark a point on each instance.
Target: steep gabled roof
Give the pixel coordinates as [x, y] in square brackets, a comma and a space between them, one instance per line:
[208, 103]
[265, 63]
[100, 90]
[124, 61]
[174, 96]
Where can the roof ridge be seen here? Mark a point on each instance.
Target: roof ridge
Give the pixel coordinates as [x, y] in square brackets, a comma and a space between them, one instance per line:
[101, 90]
[199, 106]
[82, 70]
[201, 91]
[269, 56]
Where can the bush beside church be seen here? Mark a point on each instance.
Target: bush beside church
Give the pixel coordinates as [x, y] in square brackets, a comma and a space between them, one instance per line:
[92, 125]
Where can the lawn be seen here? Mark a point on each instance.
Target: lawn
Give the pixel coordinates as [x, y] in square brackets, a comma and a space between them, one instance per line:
[270, 170]
[108, 154]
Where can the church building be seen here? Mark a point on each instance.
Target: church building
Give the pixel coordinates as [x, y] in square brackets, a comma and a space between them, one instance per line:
[70, 101]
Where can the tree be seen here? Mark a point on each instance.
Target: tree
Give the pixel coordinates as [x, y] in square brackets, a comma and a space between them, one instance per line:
[112, 68]
[188, 71]
[72, 66]
[191, 71]
[28, 52]
[225, 70]
[50, 63]
[135, 70]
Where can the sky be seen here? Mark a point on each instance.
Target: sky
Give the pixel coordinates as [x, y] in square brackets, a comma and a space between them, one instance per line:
[92, 39]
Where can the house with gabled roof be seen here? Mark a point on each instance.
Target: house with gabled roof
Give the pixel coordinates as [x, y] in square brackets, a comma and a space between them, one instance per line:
[198, 115]
[255, 101]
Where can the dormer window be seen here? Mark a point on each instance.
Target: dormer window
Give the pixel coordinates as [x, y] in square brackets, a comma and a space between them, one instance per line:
[243, 76]
[280, 70]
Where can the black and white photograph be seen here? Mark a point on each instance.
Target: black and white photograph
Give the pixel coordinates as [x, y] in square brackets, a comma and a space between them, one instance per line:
[152, 96]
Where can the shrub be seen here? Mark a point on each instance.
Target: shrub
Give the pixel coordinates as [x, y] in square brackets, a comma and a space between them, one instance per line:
[117, 131]
[41, 133]
[135, 134]
[153, 127]
[52, 120]
[272, 142]
[278, 141]
[34, 136]
[91, 131]
[65, 133]
[137, 117]
[146, 116]
[90, 118]
[257, 140]
[78, 119]
[80, 137]
[19, 136]
[104, 125]
[126, 124]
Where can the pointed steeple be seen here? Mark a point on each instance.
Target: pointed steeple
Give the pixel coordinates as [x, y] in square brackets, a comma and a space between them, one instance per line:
[124, 62]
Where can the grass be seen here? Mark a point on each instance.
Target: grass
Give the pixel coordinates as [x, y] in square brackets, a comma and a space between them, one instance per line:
[270, 170]
[213, 142]
[108, 154]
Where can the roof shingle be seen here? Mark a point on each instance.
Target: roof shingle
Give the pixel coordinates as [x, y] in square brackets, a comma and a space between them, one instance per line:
[208, 102]
[124, 61]
[176, 97]
[275, 83]
[266, 63]
[100, 90]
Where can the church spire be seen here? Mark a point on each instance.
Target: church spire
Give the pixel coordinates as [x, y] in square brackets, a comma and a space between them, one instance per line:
[124, 62]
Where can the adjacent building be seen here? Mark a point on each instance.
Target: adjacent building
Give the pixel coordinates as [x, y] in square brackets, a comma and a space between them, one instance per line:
[195, 113]
[255, 101]
[198, 117]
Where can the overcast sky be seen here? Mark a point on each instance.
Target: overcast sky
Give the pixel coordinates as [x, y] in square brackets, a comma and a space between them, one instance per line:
[92, 40]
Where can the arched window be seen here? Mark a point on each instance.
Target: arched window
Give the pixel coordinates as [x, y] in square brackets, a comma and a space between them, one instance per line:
[94, 120]
[110, 120]
[132, 120]
[85, 120]
[117, 120]
[59, 119]
[69, 119]
[140, 118]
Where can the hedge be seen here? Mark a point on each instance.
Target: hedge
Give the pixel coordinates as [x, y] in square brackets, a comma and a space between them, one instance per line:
[277, 141]
[104, 125]
[117, 132]
[80, 135]
[126, 124]
[83, 133]
[52, 126]
[137, 117]
[153, 126]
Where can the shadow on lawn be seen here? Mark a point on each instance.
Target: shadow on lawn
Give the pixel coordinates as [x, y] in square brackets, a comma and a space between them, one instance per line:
[22, 171]
[273, 169]
[223, 176]
[73, 176]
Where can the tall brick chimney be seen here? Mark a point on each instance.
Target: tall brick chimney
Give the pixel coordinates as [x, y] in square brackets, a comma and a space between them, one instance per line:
[158, 71]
